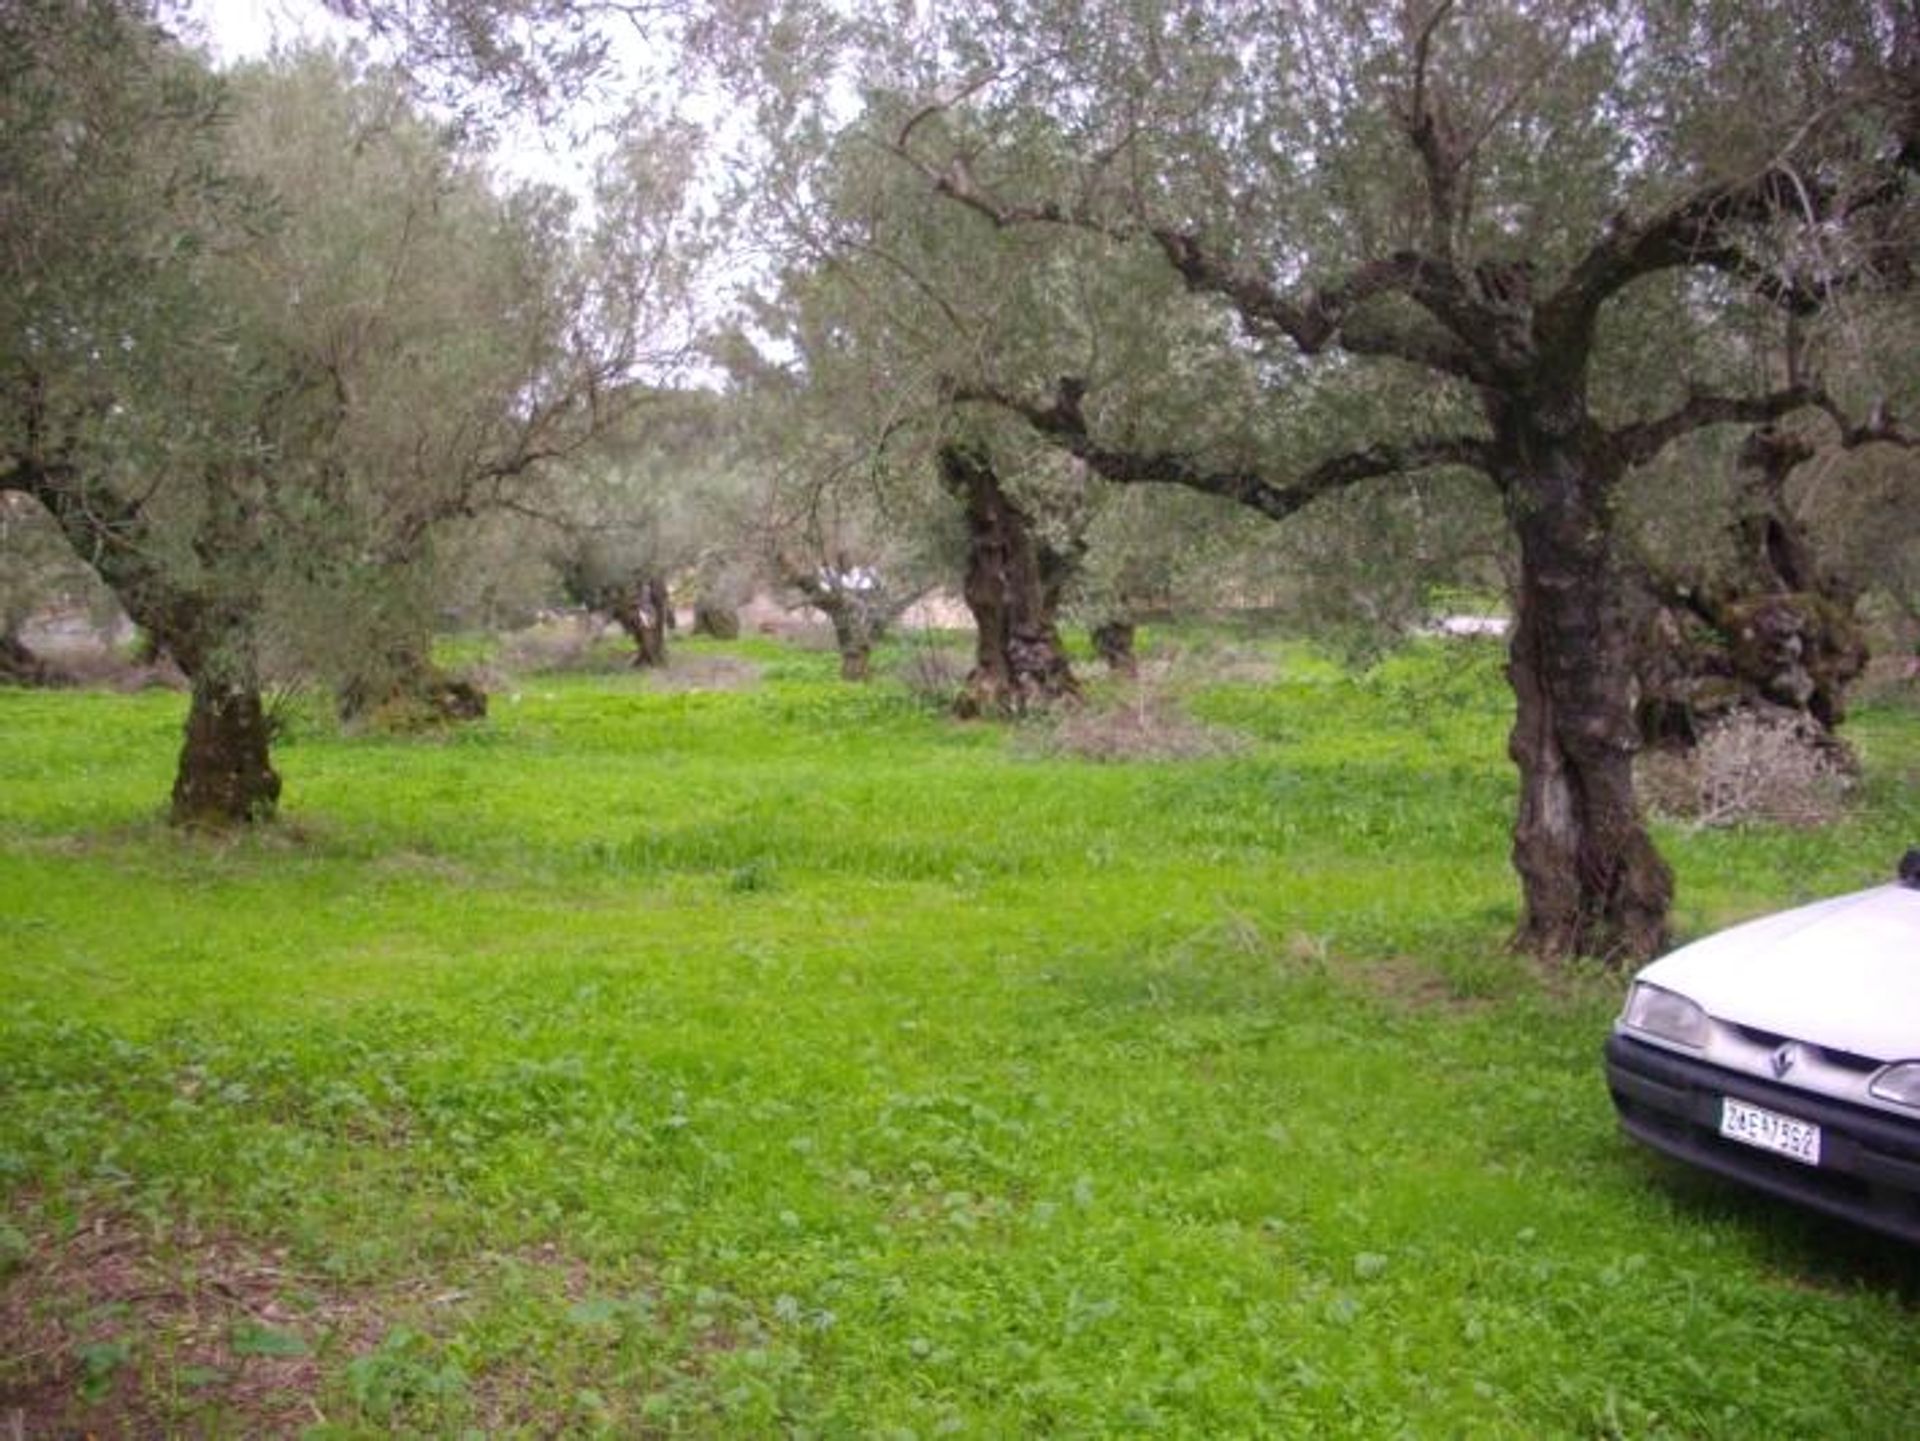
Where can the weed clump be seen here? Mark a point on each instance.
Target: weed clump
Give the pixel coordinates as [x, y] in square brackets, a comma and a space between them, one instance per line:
[563, 644]
[1751, 767]
[933, 673]
[1139, 723]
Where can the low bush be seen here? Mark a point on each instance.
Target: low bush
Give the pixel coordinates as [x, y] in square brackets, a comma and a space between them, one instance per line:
[1137, 719]
[1751, 767]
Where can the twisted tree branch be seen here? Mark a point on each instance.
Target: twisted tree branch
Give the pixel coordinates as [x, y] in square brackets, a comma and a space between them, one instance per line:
[1640, 441]
[1063, 422]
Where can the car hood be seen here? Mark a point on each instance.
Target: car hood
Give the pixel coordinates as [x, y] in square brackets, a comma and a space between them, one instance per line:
[1844, 973]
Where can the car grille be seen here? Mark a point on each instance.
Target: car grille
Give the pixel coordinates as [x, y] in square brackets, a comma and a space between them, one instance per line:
[1844, 1060]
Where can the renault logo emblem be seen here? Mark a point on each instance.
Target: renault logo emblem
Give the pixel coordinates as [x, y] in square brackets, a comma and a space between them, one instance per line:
[1783, 1058]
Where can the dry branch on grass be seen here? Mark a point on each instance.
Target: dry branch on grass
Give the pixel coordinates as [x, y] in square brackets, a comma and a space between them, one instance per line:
[1141, 719]
[1751, 767]
[934, 671]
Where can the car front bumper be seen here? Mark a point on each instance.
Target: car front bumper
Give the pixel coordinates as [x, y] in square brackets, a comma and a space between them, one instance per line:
[1869, 1171]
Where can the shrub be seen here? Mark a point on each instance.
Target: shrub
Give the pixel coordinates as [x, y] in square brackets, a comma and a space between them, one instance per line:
[1139, 720]
[563, 643]
[933, 672]
[1751, 766]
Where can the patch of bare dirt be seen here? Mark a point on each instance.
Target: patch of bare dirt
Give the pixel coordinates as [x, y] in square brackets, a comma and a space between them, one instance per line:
[111, 1328]
[1412, 985]
[115, 1326]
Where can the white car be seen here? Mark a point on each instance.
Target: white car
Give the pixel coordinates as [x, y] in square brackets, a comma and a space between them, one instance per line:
[1785, 1054]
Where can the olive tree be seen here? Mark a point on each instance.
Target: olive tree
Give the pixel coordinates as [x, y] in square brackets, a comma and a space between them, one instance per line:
[654, 500]
[116, 204]
[1483, 197]
[1758, 548]
[832, 516]
[888, 294]
[302, 328]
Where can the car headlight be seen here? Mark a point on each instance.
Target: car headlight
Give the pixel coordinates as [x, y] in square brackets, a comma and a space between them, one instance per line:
[1900, 1084]
[1666, 1014]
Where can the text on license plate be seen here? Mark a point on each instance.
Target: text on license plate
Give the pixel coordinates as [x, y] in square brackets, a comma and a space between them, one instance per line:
[1770, 1131]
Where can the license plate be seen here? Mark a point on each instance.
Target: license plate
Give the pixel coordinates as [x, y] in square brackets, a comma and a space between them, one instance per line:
[1770, 1131]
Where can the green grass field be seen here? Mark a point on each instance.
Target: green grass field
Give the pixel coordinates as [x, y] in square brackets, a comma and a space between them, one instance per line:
[791, 1059]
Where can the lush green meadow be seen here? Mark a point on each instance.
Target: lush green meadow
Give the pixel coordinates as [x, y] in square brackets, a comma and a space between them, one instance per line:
[790, 1058]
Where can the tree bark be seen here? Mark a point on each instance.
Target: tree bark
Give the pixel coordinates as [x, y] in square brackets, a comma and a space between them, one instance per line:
[855, 603]
[1113, 642]
[715, 619]
[225, 776]
[644, 611]
[405, 690]
[1777, 636]
[1592, 882]
[1012, 588]
[853, 636]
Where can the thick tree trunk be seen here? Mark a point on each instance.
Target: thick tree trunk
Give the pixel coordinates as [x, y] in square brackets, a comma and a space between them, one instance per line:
[1011, 588]
[1778, 637]
[1113, 642]
[20, 666]
[225, 776]
[402, 688]
[715, 619]
[1592, 882]
[644, 612]
[852, 637]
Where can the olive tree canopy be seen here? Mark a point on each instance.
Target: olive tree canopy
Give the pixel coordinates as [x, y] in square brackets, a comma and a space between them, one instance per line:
[264, 334]
[1530, 217]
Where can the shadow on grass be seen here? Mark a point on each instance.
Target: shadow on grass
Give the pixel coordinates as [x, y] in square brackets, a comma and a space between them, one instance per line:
[1808, 1248]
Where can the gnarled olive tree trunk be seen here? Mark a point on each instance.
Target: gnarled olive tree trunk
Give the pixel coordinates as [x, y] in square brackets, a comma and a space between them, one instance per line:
[1777, 636]
[716, 619]
[1592, 882]
[853, 637]
[400, 685]
[225, 775]
[857, 603]
[1113, 643]
[644, 611]
[635, 597]
[1013, 588]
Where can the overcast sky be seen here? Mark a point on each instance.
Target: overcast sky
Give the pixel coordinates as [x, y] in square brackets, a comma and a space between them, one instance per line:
[239, 30]
[245, 29]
